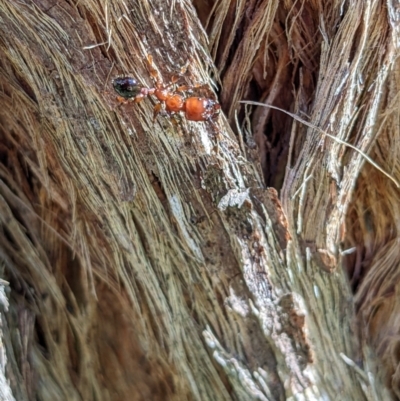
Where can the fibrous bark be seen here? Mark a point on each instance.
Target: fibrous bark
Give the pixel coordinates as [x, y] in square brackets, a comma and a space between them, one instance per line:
[147, 259]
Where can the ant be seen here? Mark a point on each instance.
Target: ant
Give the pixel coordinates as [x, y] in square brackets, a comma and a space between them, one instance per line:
[195, 108]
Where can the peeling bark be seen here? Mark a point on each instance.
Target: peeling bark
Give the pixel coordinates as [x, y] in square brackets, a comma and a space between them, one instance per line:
[147, 259]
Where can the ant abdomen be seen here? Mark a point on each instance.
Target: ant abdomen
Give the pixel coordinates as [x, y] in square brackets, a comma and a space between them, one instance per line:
[126, 87]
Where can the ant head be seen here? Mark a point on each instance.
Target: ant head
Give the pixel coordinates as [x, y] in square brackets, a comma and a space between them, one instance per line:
[213, 110]
[216, 108]
[126, 87]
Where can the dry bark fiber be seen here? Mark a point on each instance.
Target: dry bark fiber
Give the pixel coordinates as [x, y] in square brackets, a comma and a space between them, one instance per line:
[251, 259]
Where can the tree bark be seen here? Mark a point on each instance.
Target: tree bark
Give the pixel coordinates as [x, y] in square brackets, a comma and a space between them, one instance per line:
[151, 259]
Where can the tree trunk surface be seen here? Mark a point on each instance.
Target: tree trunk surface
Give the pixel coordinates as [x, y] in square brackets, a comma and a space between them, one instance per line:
[155, 258]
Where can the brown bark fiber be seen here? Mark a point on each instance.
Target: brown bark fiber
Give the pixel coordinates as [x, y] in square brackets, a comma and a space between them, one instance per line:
[256, 258]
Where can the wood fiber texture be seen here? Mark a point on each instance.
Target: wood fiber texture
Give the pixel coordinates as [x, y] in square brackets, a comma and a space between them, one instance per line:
[255, 258]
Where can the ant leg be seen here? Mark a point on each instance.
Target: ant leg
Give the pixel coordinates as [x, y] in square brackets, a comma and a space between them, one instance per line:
[183, 88]
[189, 88]
[139, 98]
[175, 78]
[121, 100]
[192, 88]
[157, 109]
[153, 71]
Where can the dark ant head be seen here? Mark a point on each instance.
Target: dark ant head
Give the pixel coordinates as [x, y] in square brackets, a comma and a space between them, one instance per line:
[126, 87]
[212, 110]
[215, 109]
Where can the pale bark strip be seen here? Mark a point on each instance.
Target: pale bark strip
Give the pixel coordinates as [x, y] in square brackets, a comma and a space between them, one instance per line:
[156, 263]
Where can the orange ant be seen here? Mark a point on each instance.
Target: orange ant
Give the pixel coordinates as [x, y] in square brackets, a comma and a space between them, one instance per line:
[195, 108]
